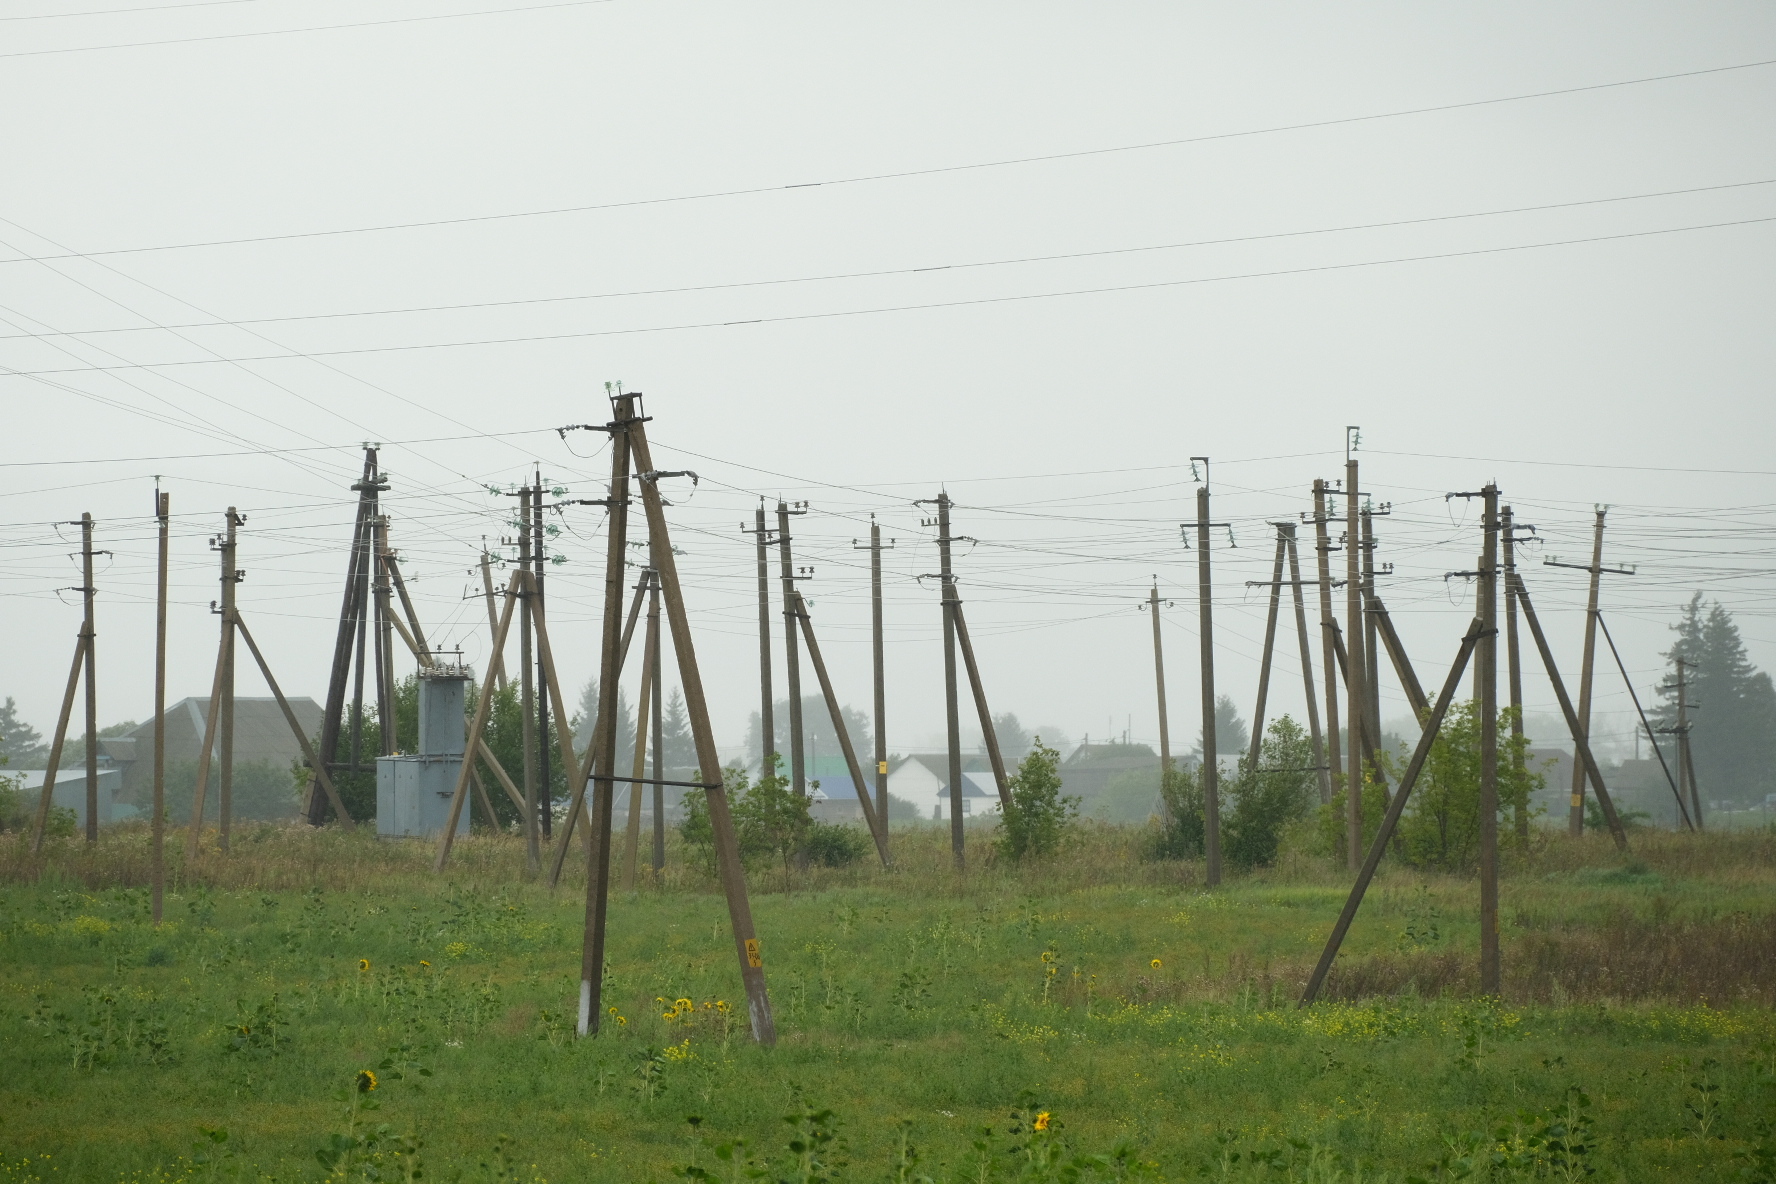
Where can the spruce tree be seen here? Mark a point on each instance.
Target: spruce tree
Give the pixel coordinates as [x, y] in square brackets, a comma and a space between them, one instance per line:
[1733, 706]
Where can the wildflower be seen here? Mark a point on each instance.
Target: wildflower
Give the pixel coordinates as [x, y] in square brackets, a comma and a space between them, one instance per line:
[721, 1004]
[1154, 964]
[610, 1011]
[1051, 971]
[363, 965]
[1041, 1122]
[684, 1005]
[425, 964]
[1048, 955]
[366, 1081]
[622, 1022]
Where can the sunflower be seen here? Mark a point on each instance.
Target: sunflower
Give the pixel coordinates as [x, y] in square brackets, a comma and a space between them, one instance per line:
[684, 1005]
[1154, 964]
[366, 1081]
[425, 964]
[363, 965]
[1041, 1122]
[610, 1011]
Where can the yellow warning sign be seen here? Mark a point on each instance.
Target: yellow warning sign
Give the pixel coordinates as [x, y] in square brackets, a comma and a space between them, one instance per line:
[752, 953]
[881, 766]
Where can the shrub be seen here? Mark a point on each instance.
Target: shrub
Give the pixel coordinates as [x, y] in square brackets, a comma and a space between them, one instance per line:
[1267, 799]
[1037, 817]
[833, 845]
[1181, 836]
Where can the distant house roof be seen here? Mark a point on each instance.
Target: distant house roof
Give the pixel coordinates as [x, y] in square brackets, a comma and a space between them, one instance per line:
[1130, 756]
[938, 763]
[261, 733]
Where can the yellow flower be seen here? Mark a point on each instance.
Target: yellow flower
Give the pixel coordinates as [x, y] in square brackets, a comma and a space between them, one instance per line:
[622, 1022]
[684, 1005]
[610, 1011]
[366, 1081]
[1048, 955]
[425, 964]
[1154, 964]
[1041, 1122]
[721, 1004]
[669, 1015]
[363, 965]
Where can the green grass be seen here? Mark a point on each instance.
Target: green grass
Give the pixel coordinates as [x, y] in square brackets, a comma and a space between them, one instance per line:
[916, 1006]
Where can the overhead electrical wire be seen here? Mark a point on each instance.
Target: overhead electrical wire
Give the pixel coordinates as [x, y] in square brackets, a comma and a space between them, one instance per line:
[940, 170]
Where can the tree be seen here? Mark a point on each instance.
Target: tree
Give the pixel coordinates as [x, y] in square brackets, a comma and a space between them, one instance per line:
[679, 745]
[1441, 826]
[1232, 737]
[818, 738]
[585, 721]
[1266, 799]
[20, 743]
[1037, 817]
[1013, 737]
[770, 819]
[1733, 713]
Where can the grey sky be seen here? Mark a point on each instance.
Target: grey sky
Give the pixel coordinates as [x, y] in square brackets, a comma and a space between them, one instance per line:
[1633, 371]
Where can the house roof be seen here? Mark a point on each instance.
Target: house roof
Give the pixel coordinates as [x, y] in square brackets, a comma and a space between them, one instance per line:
[260, 728]
[938, 763]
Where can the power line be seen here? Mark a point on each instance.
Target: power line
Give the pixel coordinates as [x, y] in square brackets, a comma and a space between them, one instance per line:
[930, 305]
[905, 174]
[404, 20]
[899, 271]
[50, 16]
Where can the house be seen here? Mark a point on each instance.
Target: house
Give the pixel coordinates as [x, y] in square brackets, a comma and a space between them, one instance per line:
[1117, 782]
[261, 735]
[924, 780]
[70, 792]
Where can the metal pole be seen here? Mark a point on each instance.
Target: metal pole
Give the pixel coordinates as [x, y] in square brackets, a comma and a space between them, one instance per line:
[767, 715]
[721, 822]
[1322, 772]
[1514, 669]
[533, 854]
[1353, 689]
[1575, 821]
[798, 771]
[1489, 867]
[1159, 679]
[1211, 773]
[1328, 654]
[92, 690]
[1270, 633]
[952, 715]
[163, 509]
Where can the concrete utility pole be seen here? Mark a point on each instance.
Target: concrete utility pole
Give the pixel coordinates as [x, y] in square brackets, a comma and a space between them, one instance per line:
[231, 576]
[545, 815]
[1159, 679]
[163, 510]
[1353, 692]
[1328, 636]
[1489, 869]
[876, 654]
[952, 714]
[1322, 770]
[767, 722]
[1211, 773]
[533, 854]
[1575, 820]
[1513, 663]
[659, 836]
[88, 635]
[798, 767]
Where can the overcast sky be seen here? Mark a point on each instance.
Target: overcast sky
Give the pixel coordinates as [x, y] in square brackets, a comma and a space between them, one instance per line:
[1037, 254]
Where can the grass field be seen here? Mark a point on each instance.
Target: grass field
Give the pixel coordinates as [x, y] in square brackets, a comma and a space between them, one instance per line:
[1153, 1023]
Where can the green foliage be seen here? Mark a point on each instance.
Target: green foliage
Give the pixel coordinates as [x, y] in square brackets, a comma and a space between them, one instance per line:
[1441, 826]
[1181, 834]
[1266, 800]
[20, 743]
[258, 790]
[830, 844]
[1037, 817]
[771, 821]
[1733, 736]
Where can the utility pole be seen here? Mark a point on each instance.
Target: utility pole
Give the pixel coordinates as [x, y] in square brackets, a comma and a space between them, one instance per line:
[163, 510]
[876, 654]
[1489, 869]
[1328, 643]
[1575, 819]
[767, 721]
[544, 812]
[952, 715]
[88, 635]
[1322, 771]
[527, 690]
[1211, 773]
[1514, 668]
[385, 654]
[496, 667]
[1686, 767]
[1270, 633]
[1353, 691]
[660, 727]
[798, 771]
[1371, 622]
[354, 619]
[1159, 679]
[231, 575]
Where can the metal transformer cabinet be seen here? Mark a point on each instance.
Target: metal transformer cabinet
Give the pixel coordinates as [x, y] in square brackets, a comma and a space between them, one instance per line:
[413, 792]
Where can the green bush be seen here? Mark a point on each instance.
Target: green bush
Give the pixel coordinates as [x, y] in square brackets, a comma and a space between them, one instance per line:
[1263, 801]
[1037, 817]
[831, 844]
[1180, 836]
